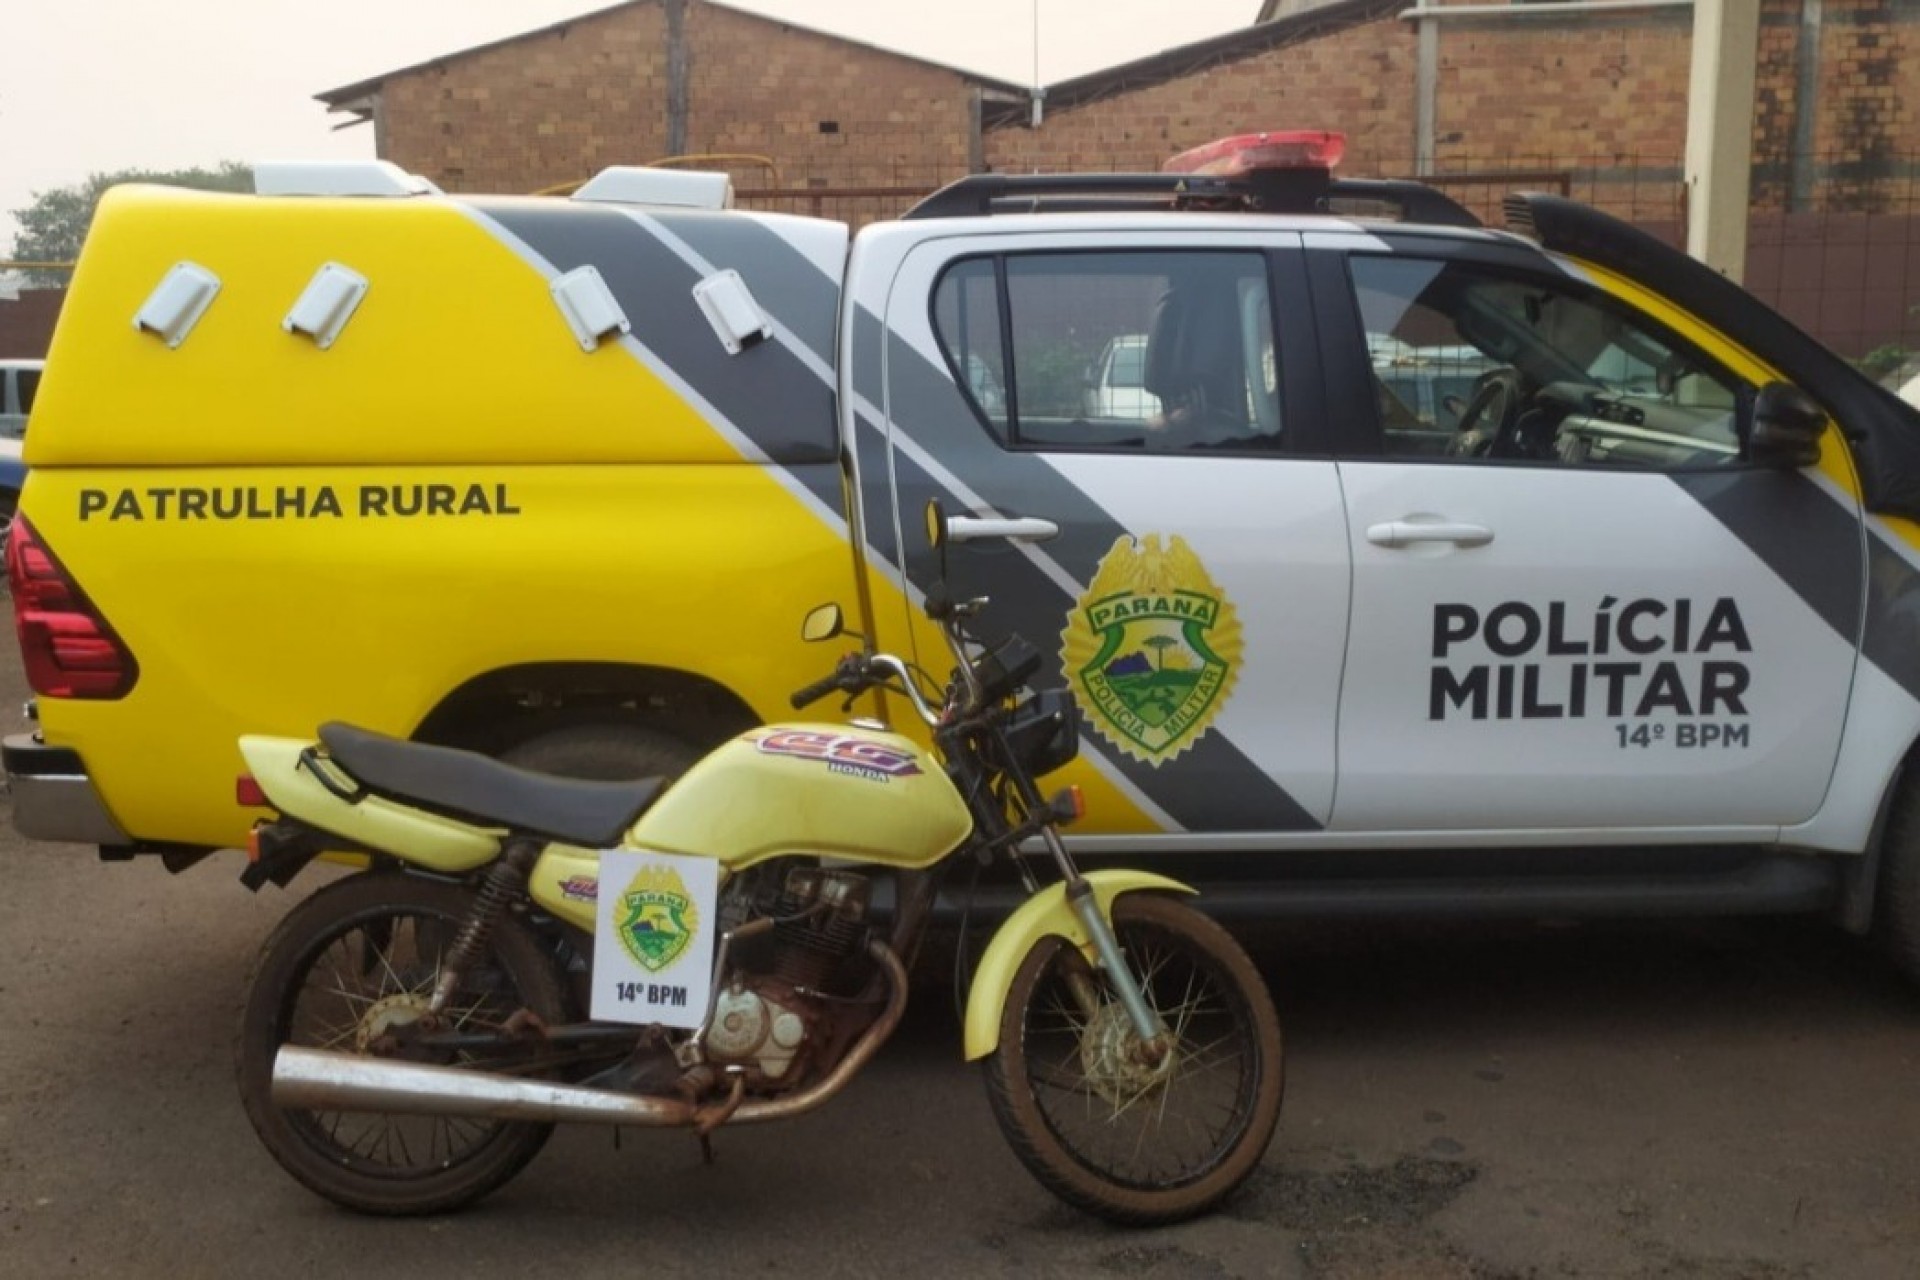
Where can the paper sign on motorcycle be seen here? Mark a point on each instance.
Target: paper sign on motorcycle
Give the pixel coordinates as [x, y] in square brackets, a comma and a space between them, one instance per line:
[653, 941]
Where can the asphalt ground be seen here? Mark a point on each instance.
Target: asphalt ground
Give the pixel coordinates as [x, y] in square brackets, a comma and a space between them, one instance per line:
[1726, 1099]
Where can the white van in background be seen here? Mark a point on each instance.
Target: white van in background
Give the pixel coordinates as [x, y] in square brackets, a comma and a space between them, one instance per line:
[19, 380]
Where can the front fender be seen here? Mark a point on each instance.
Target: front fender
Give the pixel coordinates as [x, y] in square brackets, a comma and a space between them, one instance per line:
[1045, 914]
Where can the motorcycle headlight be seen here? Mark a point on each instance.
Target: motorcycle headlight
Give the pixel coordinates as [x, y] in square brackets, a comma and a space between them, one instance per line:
[1002, 671]
[1041, 732]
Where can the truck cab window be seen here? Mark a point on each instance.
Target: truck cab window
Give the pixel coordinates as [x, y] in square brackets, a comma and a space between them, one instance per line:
[1469, 363]
[1159, 352]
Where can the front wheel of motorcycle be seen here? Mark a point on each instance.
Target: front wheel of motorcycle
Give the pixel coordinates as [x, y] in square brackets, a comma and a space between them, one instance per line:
[350, 970]
[1134, 1137]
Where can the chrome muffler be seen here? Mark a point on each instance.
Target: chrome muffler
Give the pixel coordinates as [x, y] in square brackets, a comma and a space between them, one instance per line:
[320, 1080]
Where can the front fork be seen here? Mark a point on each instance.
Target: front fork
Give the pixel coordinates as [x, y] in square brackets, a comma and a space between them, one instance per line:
[988, 817]
[1153, 1043]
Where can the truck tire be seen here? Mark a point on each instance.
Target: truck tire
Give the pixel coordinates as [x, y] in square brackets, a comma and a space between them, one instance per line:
[1899, 897]
[603, 751]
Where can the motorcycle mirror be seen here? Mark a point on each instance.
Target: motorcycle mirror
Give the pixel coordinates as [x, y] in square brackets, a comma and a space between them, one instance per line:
[823, 623]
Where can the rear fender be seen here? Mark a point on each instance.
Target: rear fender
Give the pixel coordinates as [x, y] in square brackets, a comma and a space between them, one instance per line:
[302, 783]
[1046, 914]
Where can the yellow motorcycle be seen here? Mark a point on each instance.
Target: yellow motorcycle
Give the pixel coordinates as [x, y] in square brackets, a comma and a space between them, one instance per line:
[414, 1031]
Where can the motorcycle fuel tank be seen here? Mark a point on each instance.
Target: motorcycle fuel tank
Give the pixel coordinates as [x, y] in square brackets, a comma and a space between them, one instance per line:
[822, 790]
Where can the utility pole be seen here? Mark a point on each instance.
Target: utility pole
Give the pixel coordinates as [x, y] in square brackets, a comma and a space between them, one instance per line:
[1719, 165]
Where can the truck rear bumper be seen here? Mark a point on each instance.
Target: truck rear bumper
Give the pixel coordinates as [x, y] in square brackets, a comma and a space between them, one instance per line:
[53, 798]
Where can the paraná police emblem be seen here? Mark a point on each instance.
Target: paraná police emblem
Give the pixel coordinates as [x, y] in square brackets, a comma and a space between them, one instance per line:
[1154, 646]
[658, 919]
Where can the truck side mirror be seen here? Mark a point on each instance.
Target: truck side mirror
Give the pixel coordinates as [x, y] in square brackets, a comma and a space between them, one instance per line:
[1787, 424]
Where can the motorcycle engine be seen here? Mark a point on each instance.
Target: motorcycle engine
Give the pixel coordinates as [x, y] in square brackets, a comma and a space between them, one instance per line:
[777, 1006]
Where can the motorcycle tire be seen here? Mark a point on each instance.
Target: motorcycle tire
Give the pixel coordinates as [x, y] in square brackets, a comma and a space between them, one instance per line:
[1135, 1144]
[355, 963]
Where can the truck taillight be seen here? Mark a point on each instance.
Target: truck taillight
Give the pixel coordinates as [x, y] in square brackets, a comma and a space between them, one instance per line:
[68, 649]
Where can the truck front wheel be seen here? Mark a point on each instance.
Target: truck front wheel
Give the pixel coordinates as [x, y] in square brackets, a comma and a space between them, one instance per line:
[1899, 897]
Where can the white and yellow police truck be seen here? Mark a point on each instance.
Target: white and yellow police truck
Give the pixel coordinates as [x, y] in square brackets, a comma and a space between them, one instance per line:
[1437, 567]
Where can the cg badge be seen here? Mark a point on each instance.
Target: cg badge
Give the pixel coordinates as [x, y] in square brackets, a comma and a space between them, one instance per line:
[1154, 646]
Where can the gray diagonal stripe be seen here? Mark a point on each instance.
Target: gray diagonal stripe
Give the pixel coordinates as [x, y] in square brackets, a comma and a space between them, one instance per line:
[771, 396]
[767, 392]
[1214, 786]
[784, 280]
[1892, 640]
[1810, 542]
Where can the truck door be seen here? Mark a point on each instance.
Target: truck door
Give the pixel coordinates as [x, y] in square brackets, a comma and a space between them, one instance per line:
[1574, 604]
[1187, 574]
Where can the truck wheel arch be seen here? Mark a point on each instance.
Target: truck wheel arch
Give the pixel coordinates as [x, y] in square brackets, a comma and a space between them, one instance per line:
[503, 710]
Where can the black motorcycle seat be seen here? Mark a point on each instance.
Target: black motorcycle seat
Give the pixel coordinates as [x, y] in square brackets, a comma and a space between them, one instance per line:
[469, 786]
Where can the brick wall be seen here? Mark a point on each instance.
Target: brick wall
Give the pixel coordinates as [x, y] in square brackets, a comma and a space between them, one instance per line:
[1598, 99]
[559, 105]
[1603, 97]
[1585, 90]
[1359, 81]
[835, 114]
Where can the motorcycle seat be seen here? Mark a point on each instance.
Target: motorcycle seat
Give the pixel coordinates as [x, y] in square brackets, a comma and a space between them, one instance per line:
[469, 786]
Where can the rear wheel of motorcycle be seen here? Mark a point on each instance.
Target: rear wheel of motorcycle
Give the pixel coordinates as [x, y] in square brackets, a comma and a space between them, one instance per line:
[355, 964]
[1100, 1129]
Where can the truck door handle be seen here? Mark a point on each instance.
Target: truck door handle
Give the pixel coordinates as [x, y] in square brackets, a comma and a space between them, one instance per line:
[1407, 533]
[1012, 528]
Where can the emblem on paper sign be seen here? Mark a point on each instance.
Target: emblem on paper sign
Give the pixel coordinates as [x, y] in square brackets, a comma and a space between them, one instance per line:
[657, 918]
[1154, 645]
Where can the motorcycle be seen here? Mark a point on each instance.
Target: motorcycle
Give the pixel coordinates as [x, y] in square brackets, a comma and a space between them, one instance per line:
[413, 1032]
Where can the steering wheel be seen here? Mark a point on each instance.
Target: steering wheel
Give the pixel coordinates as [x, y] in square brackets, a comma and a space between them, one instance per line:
[1486, 427]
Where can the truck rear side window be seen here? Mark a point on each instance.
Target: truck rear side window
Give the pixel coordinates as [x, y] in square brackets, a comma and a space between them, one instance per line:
[1162, 351]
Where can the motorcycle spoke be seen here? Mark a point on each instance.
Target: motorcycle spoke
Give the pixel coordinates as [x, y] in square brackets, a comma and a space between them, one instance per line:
[381, 954]
[1141, 1126]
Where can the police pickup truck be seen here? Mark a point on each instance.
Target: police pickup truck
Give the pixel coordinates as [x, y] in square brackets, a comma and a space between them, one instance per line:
[1449, 567]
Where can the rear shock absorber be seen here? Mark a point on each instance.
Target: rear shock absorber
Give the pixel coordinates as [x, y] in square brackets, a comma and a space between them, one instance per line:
[505, 879]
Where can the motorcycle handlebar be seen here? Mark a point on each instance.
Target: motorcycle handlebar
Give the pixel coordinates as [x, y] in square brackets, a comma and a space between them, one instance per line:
[820, 688]
[859, 672]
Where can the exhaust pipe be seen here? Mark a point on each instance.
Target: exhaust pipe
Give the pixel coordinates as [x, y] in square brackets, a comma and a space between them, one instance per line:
[320, 1080]
[317, 1080]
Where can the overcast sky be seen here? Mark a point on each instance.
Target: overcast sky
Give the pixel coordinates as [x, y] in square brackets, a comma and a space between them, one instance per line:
[99, 85]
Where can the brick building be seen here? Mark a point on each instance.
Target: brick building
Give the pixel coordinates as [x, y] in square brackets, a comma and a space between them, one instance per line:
[1602, 93]
[655, 78]
[1477, 97]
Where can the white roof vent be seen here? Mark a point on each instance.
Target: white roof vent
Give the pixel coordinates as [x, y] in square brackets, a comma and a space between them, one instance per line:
[177, 302]
[590, 308]
[326, 304]
[338, 178]
[635, 184]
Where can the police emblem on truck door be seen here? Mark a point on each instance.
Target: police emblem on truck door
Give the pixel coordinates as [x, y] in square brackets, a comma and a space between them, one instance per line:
[1154, 646]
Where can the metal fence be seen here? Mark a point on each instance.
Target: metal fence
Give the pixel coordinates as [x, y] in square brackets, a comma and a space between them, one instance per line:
[1833, 241]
